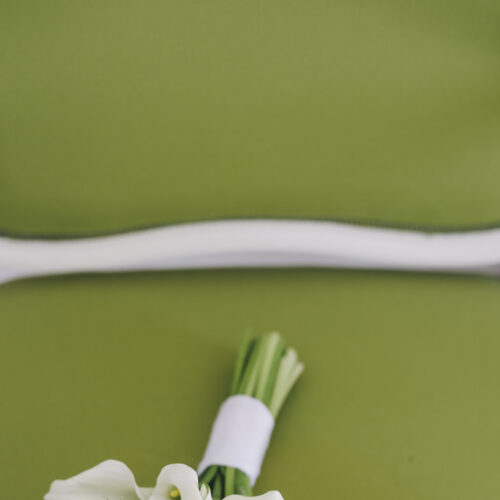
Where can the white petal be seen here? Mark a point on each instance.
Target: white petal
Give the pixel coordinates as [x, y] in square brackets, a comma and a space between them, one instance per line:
[145, 492]
[206, 494]
[270, 495]
[178, 476]
[110, 480]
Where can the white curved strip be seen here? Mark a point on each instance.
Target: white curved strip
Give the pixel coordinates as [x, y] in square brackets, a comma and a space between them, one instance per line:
[240, 436]
[255, 243]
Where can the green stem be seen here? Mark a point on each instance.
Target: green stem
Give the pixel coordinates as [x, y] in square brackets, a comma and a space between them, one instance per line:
[207, 475]
[229, 481]
[217, 493]
[246, 381]
[271, 344]
[266, 371]
[242, 486]
[243, 353]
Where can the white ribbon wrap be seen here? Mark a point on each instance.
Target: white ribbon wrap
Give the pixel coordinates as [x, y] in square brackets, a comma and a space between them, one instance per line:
[240, 436]
[255, 243]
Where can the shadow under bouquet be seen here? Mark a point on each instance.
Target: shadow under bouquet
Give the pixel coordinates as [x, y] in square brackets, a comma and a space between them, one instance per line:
[264, 374]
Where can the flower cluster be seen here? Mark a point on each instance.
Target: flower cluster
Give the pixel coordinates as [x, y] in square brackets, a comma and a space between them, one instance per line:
[113, 480]
[265, 373]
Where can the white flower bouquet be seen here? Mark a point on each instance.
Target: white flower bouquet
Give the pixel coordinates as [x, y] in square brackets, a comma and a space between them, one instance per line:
[264, 375]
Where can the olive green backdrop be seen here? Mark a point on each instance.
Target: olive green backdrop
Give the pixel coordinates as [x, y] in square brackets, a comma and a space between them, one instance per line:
[121, 114]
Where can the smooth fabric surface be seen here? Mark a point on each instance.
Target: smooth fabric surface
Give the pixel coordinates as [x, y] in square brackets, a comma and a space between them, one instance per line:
[121, 114]
[399, 399]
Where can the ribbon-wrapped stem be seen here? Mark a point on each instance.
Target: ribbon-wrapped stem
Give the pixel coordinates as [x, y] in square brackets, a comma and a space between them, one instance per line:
[264, 370]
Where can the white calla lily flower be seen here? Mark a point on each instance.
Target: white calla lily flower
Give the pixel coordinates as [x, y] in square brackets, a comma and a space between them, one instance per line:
[270, 495]
[113, 480]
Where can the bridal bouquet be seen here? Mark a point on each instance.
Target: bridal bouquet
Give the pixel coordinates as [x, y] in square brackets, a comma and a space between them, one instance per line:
[264, 375]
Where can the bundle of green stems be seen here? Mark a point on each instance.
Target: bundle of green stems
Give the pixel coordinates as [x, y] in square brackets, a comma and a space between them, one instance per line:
[264, 370]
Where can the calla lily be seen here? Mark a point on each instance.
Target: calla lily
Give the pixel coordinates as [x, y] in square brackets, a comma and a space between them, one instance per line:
[270, 495]
[113, 480]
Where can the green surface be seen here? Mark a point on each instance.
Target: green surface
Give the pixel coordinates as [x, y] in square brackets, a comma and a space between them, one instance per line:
[120, 114]
[117, 114]
[399, 400]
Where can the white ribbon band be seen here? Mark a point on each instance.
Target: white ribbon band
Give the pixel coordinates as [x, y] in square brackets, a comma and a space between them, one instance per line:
[255, 243]
[240, 436]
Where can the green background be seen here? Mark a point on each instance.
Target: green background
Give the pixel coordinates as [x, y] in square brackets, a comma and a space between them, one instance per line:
[120, 114]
